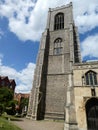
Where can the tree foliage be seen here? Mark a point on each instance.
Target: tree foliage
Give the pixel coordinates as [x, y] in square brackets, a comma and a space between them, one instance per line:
[6, 100]
[23, 104]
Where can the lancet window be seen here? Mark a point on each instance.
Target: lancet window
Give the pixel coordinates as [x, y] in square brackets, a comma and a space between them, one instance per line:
[58, 46]
[91, 78]
[59, 21]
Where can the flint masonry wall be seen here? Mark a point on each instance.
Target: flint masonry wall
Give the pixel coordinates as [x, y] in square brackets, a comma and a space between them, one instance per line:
[48, 96]
[58, 65]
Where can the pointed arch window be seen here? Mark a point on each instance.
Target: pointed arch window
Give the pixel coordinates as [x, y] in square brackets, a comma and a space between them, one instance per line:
[59, 21]
[58, 46]
[91, 78]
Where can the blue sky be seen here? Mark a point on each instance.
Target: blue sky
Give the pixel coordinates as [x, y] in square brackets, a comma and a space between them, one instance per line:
[17, 53]
[21, 25]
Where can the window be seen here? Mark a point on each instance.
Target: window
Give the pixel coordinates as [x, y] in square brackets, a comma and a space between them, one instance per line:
[91, 78]
[59, 21]
[58, 46]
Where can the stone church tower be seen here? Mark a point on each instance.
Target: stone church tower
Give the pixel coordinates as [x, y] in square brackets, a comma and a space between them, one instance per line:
[64, 87]
[59, 49]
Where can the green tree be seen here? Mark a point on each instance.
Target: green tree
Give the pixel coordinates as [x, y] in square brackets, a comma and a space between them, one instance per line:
[1, 109]
[23, 105]
[6, 99]
[5, 95]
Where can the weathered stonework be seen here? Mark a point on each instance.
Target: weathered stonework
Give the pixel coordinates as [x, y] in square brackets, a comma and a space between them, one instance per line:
[82, 91]
[51, 79]
[59, 88]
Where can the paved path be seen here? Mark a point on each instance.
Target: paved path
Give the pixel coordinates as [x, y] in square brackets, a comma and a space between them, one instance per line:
[27, 124]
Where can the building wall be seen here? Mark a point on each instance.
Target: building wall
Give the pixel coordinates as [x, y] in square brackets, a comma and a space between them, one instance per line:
[58, 65]
[56, 95]
[51, 78]
[82, 91]
[18, 96]
[63, 9]
[59, 82]
[6, 82]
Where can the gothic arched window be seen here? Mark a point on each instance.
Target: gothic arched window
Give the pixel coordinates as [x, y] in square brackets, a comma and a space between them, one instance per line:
[59, 21]
[58, 46]
[91, 78]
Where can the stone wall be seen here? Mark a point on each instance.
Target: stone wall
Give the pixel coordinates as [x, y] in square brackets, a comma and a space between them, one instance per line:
[82, 91]
[56, 95]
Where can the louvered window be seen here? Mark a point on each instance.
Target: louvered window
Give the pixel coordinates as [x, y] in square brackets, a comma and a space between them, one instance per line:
[59, 21]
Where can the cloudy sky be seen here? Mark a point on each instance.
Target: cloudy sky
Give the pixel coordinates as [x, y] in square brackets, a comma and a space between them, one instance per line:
[21, 25]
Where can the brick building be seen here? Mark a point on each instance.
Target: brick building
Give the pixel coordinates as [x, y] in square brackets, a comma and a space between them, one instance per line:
[21, 108]
[19, 96]
[64, 87]
[6, 82]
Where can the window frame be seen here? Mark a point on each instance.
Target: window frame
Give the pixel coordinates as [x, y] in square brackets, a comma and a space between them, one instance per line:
[91, 78]
[59, 21]
[57, 50]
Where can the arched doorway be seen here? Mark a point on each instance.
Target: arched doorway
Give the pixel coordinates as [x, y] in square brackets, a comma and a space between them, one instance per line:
[92, 114]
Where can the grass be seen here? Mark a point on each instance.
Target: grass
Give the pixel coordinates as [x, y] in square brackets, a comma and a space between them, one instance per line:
[7, 125]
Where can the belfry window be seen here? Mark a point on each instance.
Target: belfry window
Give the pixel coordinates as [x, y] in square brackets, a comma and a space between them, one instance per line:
[91, 78]
[59, 21]
[58, 46]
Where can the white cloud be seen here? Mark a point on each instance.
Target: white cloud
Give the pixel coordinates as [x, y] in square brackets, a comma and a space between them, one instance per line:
[90, 46]
[27, 19]
[87, 22]
[23, 78]
[86, 14]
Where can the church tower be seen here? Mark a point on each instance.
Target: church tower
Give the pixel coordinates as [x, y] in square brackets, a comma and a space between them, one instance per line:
[52, 94]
